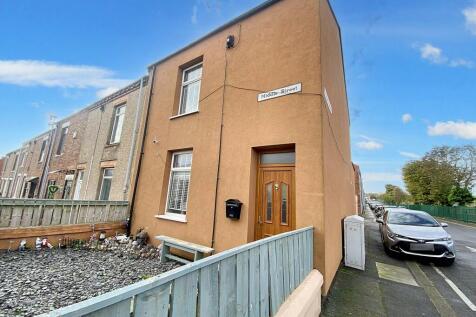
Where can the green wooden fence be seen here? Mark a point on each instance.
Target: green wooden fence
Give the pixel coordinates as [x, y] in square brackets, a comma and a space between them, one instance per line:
[250, 280]
[460, 213]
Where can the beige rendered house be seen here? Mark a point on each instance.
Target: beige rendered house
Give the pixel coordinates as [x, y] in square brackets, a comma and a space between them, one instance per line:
[254, 111]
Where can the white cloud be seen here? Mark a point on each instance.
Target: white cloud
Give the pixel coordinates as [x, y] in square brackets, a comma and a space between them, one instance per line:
[369, 145]
[410, 155]
[52, 74]
[461, 129]
[381, 177]
[470, 18]
[460, 62]
[194, 17]
[406, 118]
[435, 55]
[432, 53]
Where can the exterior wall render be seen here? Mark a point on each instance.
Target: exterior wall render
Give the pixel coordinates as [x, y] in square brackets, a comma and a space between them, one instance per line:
[271, 51]
[339, 200]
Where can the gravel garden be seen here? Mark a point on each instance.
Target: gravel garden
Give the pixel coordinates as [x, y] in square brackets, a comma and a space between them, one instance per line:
[35, 282]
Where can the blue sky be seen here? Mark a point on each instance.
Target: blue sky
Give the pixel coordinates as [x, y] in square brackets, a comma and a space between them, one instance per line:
[410, 66]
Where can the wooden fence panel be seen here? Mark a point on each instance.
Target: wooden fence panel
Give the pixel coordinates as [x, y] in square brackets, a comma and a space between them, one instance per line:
[154, 302]
[254, 283]
[5, 216]
[227, 286]
[250, 280]
[184, 298]
[242, 283]
[27, 216]
[121, 309]
[46, 212]
[264, 279]
[208, 294]
[17, 213]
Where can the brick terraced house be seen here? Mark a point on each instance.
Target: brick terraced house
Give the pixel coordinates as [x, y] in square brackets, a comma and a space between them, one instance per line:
[88, 148]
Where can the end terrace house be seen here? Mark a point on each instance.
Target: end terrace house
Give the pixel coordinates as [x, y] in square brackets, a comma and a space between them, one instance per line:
[254, 111]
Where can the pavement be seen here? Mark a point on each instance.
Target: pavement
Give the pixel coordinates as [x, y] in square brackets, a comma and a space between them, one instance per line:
[407, 286]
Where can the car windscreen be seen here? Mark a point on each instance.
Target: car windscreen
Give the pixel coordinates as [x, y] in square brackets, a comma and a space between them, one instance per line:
[411, 219]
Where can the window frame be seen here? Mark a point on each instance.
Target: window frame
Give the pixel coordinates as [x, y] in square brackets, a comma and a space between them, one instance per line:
[41, 158]
[183, 84]
[174, 215]
[61, 142]
[102, 182]
[115, 120]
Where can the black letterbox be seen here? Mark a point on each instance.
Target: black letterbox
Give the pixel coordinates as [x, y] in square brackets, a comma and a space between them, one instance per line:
[233, 208]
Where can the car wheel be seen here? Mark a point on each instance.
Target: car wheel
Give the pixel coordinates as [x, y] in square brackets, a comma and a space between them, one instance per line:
[387, 250]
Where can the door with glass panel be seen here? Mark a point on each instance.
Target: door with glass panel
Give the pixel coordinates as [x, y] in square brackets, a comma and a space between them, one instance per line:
[275, 195]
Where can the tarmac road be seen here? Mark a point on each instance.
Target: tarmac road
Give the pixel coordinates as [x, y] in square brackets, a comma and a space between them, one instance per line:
[462, 273]
[406, 286]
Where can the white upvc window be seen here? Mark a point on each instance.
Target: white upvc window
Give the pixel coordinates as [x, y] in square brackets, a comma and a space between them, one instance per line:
[118, 122]
[106, 183]
[190, 92]
[179, 183]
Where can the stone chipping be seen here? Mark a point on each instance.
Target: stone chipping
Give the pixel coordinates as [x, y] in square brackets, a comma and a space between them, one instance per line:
[36, 282]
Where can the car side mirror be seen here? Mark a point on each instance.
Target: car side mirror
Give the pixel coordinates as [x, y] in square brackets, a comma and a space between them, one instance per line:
[444, 224]
[380, 220]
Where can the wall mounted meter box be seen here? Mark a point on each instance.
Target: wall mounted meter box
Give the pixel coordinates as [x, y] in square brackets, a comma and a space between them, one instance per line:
[354, 244]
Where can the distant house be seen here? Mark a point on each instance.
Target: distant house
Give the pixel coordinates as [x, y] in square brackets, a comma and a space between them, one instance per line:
[91, 154]
[107, 161]
[359, 190]
[254, 111]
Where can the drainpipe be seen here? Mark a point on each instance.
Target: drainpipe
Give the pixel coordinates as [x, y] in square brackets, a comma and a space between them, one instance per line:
[101, 108]
[139, 164]
[46, 168]
[135, 131]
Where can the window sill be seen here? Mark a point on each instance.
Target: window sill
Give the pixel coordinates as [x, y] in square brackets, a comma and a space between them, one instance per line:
[173, 217]
[112, 144]
[183, 115]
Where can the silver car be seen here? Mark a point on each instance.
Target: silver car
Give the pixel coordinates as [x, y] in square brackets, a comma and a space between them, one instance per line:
[416, 233]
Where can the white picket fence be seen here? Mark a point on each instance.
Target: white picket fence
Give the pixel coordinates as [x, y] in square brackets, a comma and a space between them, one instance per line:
[47, 212]
[250, 280]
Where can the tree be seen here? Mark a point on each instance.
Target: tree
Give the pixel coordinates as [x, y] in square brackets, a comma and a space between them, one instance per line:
[429, 181]
[394, 195]
[461, 158]
[460, 196]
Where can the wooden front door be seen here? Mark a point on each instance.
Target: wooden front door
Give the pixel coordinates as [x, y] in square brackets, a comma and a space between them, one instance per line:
[275, 201]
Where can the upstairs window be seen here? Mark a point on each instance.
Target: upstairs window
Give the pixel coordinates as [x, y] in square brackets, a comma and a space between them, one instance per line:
[64, 133]
[42, 151]
[118, 122]
[190, 93]
[179, 183]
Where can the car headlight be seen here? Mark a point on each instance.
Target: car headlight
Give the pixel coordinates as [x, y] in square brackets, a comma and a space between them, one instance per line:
[448, 238]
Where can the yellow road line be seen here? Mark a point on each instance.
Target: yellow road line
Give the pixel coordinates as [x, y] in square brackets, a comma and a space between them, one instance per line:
[438, 301]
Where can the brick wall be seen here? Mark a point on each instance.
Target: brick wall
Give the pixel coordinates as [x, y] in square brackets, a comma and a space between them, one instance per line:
[66, 163]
